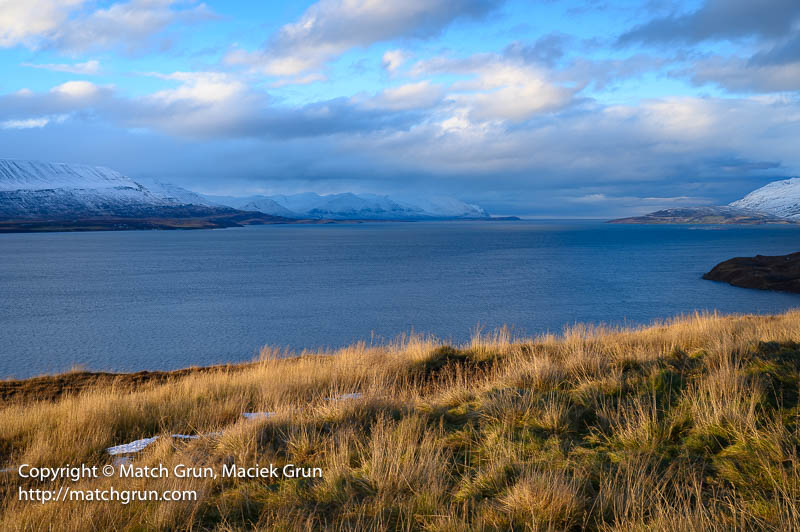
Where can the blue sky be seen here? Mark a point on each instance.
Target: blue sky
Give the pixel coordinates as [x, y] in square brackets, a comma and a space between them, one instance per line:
[586, 108]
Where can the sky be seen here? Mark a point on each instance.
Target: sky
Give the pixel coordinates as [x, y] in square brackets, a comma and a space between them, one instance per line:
[536, 108]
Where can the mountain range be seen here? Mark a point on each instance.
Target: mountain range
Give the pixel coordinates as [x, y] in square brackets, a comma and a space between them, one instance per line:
[58, 196]
[353, 206]
[41, 191]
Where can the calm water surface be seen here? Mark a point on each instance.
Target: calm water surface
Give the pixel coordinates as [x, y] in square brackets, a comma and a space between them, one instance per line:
[161, 300]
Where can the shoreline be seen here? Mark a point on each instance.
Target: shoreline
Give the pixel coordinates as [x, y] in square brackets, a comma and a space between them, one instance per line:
[52, 387]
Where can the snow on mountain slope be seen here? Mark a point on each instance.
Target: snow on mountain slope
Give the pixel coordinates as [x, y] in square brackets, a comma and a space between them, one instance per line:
[34, 175]
[348, 205]
[448, 207]
[254, 203]
[33, 190]
[781, 198]
[301, 203]
[177, 195]
[268, 206]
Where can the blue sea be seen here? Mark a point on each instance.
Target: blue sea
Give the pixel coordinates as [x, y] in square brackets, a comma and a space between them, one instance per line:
[125, 301]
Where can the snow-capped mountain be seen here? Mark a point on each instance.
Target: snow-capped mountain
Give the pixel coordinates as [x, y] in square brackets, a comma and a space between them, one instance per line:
[780, 198]
[39, 190]
[349, 205]
[354, 206]
[448, 207]
[302, 202]
[254, 203]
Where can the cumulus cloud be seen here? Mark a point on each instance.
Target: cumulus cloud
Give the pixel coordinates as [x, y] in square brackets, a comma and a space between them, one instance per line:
[26, 23]
[77, 89]
[69, 25]
[720, 19]
[498, 88]
[331, 27]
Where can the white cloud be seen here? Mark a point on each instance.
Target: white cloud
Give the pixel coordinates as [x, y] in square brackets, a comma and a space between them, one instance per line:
[331, 27]
[29, 123]
[394, 59]
[129, 23]
[685, 117]
[510, 92]
[32, 123]
[76, 89]
[499, 88]
[69, 25]
[87, 68]
[200, 87]
[203, 104]
[420, 95]
[27, 22]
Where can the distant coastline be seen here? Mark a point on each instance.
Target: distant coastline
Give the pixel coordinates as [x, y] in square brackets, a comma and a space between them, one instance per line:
[210, 222]
[705, 215]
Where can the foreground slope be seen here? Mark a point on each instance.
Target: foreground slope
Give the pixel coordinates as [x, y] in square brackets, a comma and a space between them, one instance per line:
[689, 425]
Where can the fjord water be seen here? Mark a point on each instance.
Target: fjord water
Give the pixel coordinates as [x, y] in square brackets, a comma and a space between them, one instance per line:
[124, 301]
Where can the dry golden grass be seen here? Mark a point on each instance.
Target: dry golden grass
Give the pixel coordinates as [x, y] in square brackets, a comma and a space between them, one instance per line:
[685, 425]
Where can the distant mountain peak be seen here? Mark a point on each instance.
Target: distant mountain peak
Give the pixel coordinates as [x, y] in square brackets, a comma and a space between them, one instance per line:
[779, 198]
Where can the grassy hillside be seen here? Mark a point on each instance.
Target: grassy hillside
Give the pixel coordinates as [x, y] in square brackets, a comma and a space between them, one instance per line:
[688, 425]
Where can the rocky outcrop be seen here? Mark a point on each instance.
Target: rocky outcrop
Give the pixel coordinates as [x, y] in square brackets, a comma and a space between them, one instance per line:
[761, 272]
